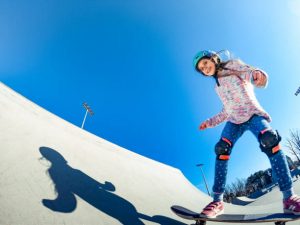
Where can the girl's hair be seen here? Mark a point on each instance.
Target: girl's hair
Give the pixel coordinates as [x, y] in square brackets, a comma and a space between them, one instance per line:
[223, 64]
[222, 67]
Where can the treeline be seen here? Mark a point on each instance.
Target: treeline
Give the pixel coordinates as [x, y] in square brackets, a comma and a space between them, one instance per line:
[265, 179]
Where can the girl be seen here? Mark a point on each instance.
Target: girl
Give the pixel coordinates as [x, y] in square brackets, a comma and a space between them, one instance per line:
[241, 110]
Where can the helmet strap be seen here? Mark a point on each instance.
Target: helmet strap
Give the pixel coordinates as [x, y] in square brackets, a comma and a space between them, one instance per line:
[218, 66]
[217, 80]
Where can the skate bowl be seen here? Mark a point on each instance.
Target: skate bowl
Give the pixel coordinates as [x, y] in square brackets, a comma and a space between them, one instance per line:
[53, 172]
[242, 201]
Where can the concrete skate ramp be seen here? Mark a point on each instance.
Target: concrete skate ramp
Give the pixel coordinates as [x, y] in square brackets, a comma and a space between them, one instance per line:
[274, 195]
[242, 201]
[52, 172]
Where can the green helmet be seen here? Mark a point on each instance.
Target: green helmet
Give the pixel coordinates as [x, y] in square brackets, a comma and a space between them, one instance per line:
[202, 54]
[207, 54]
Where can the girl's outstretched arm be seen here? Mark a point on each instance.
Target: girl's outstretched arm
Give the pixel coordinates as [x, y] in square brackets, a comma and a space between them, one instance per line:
[215, 120]
[256, 76]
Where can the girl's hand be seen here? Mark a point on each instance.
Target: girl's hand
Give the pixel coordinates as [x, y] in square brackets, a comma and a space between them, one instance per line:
[203, 125]
[259, 78]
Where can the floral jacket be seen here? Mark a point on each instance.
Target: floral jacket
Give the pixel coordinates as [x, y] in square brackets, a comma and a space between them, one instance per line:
[236, 92]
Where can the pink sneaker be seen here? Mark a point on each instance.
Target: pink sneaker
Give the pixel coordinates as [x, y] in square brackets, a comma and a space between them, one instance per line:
[213, 209]
[292, 205]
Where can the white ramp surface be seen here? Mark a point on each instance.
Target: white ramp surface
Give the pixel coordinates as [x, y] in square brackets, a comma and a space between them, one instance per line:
[52, 172]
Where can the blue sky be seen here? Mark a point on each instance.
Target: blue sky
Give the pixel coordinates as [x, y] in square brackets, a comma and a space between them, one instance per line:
[132, 62]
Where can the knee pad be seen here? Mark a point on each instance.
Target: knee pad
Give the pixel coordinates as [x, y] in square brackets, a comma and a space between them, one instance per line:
[269, 142]
[223, 149]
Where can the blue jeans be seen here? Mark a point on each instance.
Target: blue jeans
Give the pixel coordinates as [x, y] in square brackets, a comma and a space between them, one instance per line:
[279, 165]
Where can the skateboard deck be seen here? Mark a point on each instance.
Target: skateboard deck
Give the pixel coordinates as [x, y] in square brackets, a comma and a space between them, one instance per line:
[277, 218]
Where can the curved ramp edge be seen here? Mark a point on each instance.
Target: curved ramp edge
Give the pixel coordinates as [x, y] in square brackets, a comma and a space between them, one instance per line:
[60, 173]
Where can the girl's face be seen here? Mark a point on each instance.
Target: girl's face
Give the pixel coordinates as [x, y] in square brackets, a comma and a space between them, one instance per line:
[207, 67]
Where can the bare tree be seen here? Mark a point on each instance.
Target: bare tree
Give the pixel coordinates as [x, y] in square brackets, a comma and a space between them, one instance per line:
[235, 189]
[228, 193]
[293, 143]
[239, 187]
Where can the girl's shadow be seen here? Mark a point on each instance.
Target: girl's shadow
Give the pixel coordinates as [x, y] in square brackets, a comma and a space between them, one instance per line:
[69, 182]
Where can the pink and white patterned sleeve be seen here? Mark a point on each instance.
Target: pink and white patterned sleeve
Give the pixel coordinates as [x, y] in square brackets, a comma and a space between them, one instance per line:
[217, 119]
[247, 75]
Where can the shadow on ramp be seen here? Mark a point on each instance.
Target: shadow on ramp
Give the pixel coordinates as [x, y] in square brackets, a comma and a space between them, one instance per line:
[69, 182]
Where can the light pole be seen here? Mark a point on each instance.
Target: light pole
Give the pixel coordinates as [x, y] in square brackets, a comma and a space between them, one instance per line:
[88, 110]
[298, 91]
[200, 166]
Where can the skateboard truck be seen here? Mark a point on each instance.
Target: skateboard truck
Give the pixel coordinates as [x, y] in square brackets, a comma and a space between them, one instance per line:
[279, 223]
[200, 222]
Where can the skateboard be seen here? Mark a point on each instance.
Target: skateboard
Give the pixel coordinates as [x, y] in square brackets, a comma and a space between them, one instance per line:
[277, 218]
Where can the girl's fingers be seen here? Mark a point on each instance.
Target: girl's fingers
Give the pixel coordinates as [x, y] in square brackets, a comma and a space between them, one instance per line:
[254, 76]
